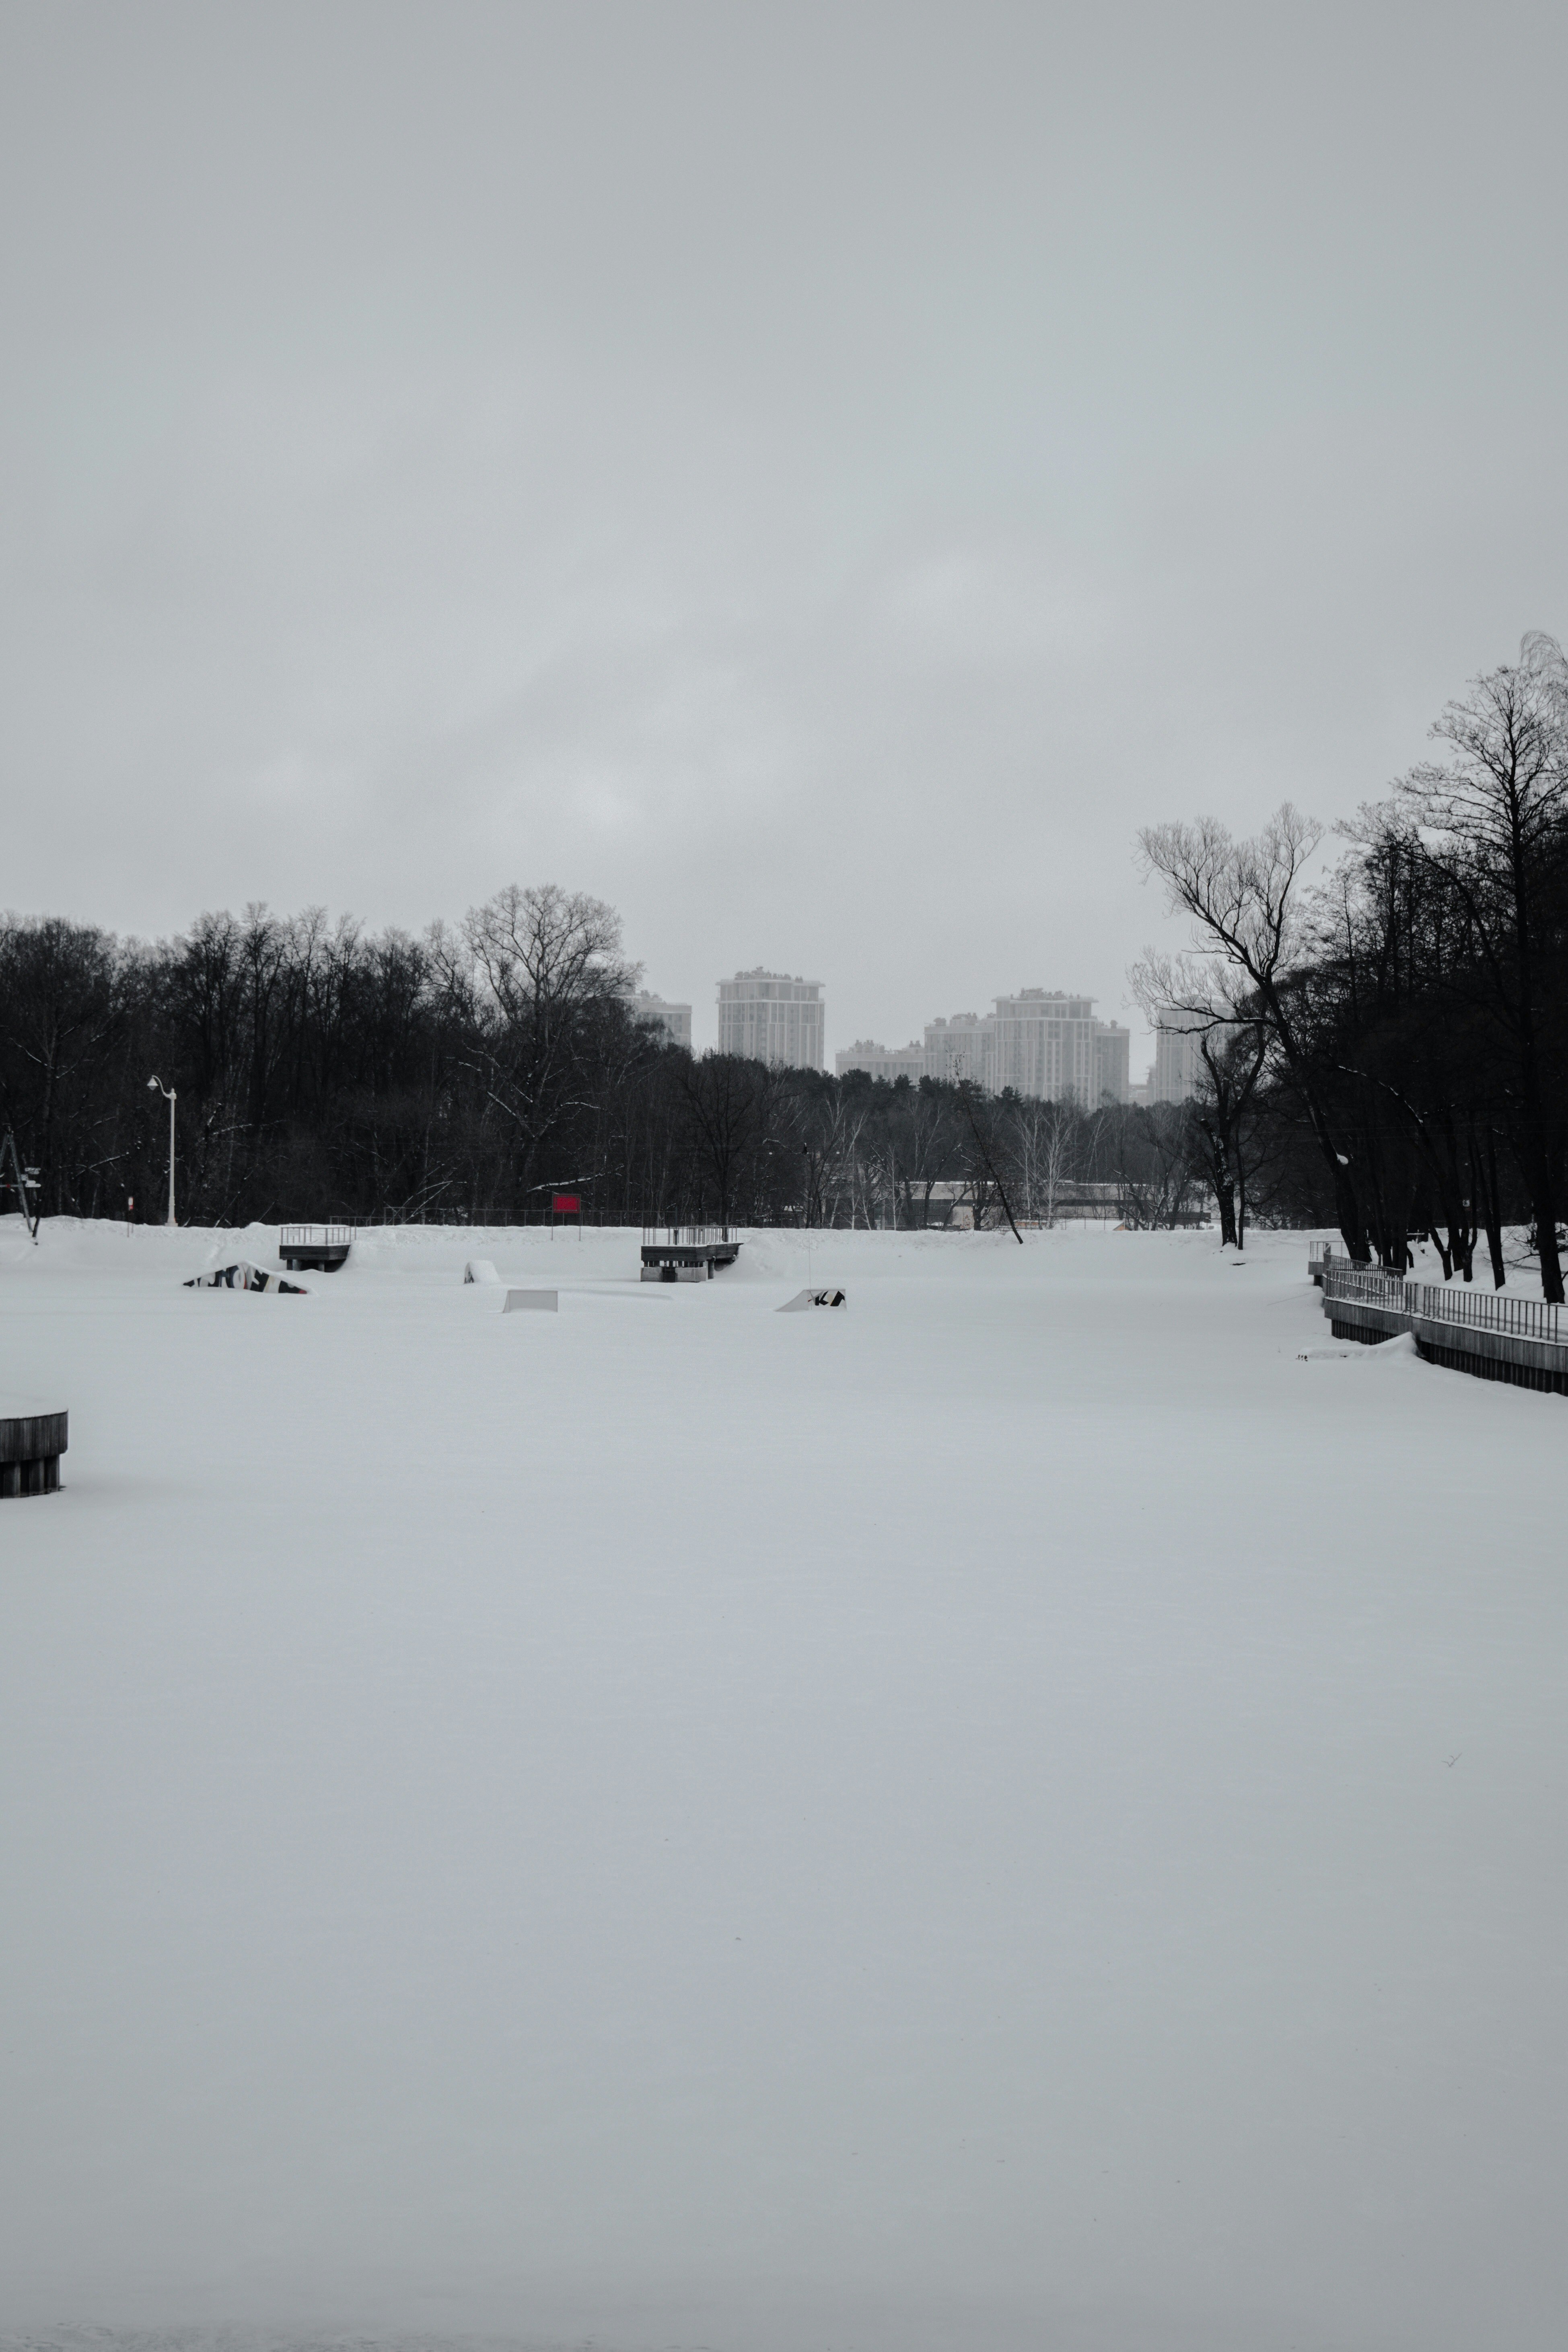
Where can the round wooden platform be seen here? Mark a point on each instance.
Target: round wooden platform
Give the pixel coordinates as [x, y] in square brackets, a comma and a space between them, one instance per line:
[32, 1439]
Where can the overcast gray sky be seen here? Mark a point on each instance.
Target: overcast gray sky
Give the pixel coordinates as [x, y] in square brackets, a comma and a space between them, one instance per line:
[818, 478]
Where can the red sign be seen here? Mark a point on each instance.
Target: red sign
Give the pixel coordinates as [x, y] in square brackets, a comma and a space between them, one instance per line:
[566, 1204]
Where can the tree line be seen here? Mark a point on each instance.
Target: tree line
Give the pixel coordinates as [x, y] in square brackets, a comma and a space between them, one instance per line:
[1385, 1051]
[468, 1074]
[1398, 1034]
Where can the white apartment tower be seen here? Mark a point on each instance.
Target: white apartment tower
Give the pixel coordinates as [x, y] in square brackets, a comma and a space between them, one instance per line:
[1045, 1044]
[675, 1019]
[767, 1016]
[1113, 1073]
[1178, 1057]
[959, 1049]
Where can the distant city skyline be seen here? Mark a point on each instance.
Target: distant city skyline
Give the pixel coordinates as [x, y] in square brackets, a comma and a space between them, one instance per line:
[762, 1013]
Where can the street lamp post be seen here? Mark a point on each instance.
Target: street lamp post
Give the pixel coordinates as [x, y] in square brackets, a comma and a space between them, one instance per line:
[172, 1099]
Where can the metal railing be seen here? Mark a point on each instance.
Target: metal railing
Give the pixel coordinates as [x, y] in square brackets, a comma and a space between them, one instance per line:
[688, 1236]
[315, 1236]
[1520, 1319]
[1525, 1319]
[1343, 1280]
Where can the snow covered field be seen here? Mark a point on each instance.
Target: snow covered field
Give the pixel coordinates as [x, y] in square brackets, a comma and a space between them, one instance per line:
[1020, 1815]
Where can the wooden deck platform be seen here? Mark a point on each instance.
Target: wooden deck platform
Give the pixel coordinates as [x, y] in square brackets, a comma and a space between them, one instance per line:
[688, 1252]
[322, 1247]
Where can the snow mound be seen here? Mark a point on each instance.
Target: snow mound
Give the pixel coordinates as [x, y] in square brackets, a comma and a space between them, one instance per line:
[1400, 1349]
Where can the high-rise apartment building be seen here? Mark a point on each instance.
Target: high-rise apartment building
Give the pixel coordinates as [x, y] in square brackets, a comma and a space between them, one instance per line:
[1178, 1058]
[1043, 1044]
[770, 1017]
[675, 1019]
[1112, 1071]
[960, 1048]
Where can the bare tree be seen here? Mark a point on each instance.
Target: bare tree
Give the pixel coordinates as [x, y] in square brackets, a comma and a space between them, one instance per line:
[546, 949]
[1043, 1138]
[1232, 1052]
[977, 1117]
[723, 1096]
[56, 982]
[921, 1135]
[1243, 897]
[544, 969]
[1155, 1164]
[1493, 822]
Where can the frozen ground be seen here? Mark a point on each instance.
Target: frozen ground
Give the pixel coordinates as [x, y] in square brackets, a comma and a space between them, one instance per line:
[1017, 1817]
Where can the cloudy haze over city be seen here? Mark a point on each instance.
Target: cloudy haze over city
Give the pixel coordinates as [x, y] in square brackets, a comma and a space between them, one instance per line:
[817, 479]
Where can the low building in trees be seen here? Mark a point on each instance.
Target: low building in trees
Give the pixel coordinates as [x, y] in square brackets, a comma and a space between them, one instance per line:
[889, 1062]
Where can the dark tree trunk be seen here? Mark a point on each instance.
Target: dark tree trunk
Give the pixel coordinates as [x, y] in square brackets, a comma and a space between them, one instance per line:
[1484, 1177]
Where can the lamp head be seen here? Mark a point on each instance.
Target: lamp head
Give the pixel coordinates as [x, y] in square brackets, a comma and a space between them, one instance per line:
[152, 1081]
